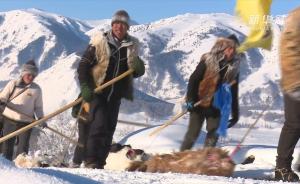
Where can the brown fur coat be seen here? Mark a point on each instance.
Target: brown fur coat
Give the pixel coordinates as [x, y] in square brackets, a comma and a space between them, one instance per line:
[290, 52]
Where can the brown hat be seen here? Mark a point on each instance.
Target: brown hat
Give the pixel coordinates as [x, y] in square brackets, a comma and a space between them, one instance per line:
[121, 16]
[29, 68]
[221, 44]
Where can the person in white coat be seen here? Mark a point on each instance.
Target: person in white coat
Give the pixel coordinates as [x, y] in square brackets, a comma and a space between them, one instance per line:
[23, 102]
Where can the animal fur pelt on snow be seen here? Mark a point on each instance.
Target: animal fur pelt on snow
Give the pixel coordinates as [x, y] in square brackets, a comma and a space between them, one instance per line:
[207, 161]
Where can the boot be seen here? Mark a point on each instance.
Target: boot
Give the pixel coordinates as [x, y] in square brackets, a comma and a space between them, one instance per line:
[91, 163]
[285, 174]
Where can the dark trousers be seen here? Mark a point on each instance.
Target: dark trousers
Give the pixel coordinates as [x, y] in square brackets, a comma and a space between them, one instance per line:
[195, 125]
[1, 127]
[8, 145]
[83, 132]
[290, 132]
[102, 128]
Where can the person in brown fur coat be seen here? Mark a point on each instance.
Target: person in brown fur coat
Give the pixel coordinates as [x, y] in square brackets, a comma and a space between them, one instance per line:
[220, 65]
[207, 161]
[290, 84]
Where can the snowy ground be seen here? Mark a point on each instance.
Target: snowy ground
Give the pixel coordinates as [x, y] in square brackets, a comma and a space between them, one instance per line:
[261, 142]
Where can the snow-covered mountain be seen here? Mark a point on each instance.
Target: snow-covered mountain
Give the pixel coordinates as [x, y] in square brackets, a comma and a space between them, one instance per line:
[34, 34]
[56, 43]
[171, 49]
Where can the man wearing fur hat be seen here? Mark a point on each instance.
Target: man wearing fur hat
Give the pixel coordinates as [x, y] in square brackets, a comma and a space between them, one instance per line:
[108, 55]
[23, 99]
[217, 67]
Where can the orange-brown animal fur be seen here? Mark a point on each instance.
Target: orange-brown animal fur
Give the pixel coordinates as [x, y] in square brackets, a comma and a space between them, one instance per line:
[207, 161]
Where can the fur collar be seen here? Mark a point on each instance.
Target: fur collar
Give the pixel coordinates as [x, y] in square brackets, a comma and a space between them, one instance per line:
[101, 43]
[102, 52]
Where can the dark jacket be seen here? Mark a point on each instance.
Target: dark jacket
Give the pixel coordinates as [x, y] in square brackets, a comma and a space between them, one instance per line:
[118, 64]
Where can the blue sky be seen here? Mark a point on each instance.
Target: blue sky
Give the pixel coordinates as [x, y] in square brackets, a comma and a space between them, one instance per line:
[140, 10]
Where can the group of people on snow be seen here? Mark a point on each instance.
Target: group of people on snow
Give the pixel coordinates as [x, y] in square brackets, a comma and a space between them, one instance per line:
[114, 52]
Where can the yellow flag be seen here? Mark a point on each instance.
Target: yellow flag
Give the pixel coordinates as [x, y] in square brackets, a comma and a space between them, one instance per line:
[255, 13]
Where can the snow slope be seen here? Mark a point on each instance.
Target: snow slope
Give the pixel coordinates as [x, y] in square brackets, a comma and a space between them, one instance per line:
[164, 142]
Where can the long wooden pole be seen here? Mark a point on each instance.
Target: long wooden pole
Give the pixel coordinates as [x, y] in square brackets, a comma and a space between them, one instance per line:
[35, 123]
[173, 119]
[51, 129]
[177, 116]
[169, 122]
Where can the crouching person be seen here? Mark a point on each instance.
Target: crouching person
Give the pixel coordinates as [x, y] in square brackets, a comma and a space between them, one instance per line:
[109, 55]
[23, 100]
[219, 66]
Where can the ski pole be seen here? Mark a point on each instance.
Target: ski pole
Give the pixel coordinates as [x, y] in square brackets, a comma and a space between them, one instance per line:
[66, 107]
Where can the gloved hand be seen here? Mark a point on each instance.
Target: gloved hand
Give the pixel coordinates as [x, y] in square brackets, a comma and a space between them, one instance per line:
[87, 92]
[189, 105]
[235, 117]
[232, 122]
[138, 67]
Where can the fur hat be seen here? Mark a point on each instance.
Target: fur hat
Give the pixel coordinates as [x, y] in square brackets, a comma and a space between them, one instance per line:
[221, 44]
[121, 16]
[29, 68]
